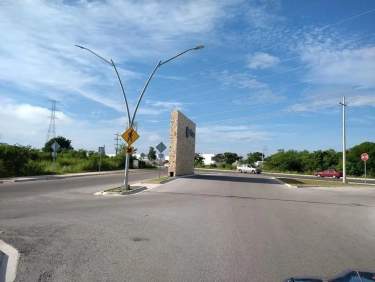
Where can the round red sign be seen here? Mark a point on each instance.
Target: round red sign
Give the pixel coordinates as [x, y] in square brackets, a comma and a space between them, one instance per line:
[364, 157]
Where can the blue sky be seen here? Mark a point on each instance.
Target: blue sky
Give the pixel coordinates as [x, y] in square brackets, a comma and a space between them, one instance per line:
[271, 75]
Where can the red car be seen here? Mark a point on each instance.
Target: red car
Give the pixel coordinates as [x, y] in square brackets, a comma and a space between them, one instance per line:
[329, 173]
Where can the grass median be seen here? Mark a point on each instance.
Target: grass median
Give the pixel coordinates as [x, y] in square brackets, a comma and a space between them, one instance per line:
[159, 180]
[312, 182]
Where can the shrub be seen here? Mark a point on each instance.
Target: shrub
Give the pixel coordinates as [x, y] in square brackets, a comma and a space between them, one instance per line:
[33, 168]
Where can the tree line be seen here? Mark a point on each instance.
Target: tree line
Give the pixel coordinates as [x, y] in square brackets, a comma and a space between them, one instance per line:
[17, 160]
[302, 161]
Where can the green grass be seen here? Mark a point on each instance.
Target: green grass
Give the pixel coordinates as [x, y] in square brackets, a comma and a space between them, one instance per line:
[313, 182]
[115, 189]
[157, 180]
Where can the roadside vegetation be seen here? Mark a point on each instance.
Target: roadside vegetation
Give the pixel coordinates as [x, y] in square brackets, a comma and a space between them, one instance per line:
[303, 162]
[16, 160]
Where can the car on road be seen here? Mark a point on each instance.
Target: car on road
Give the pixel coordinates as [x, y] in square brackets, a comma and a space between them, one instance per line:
[329, 173]
[248, 169]
[352, 276]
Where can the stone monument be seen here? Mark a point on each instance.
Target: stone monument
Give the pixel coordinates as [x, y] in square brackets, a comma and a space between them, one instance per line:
[182, 145]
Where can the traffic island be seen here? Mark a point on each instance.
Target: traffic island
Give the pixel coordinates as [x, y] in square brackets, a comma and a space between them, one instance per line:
[119, 191]
[135, 188]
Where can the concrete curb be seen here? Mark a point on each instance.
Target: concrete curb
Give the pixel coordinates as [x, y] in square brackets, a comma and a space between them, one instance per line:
[143, 187]
[325, 187]
[283, 183]
[311, 176]
[282, 174]
[56, 177]
[130, 192]
[8, 262]
[60, 176]
[363, 184]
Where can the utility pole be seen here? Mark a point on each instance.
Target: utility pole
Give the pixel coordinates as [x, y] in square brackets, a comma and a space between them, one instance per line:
[117, 138]
[264, 154]
[343, 104]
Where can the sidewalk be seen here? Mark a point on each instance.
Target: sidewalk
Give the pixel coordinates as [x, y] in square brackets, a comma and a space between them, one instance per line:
[58, 176]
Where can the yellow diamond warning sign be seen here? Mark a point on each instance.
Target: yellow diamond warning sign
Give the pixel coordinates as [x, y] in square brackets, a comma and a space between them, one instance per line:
[130, 136]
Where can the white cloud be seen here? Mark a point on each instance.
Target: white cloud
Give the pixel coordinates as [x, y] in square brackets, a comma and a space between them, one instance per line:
[335, 67]
[27, 124]
[158, 107]
[37, 49]
[329, 98]
[259, 92]
[358, 101]
[334, 61]
[351, 67]
[236, 133]
[263, 14]
[262, 60]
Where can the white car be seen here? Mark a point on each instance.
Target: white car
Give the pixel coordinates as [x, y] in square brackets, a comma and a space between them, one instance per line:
[248, 169]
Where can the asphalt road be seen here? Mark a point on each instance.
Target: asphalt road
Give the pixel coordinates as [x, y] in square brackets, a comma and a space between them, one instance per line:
[349, 179]
[221, 227]
[31, 188]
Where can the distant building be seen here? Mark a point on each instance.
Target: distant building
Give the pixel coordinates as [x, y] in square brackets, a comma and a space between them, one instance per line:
[207, 159]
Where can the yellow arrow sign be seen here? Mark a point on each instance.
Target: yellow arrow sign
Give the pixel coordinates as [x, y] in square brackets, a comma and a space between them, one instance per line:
[130, 136]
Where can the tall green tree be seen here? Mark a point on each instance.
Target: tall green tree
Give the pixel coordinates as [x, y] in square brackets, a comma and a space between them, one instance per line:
[254, 157]
[355, 165]
[65, 144]
[230, 158]
[218, 158]
[198, 160]
[227, 158]
[151, 154]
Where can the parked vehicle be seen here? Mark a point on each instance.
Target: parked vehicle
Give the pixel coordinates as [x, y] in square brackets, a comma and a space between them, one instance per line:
[329, 173]
[248, 169]
[352, 276]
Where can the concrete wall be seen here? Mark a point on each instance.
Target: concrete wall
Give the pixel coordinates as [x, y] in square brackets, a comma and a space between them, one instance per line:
[182, 145]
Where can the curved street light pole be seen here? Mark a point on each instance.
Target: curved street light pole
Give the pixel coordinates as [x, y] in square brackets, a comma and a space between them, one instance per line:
[158, 65]
[131, 119]
[111, 63]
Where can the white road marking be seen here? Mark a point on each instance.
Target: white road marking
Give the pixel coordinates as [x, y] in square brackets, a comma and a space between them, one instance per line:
[11, 265]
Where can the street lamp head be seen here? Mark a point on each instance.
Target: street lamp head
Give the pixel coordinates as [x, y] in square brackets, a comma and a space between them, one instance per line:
[198, 47]
[79, 46]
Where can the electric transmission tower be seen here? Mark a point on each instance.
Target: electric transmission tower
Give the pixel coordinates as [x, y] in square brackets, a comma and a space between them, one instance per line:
[117, 139]
[52, 122]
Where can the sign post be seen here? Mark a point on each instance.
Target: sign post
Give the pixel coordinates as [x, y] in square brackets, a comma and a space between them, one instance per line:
[364, 158]
[55, 146]
[101, 151]
[130, 136]
[161, 148]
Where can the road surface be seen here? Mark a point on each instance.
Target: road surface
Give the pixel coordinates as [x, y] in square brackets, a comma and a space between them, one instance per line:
[356, 180]
[214, 227]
